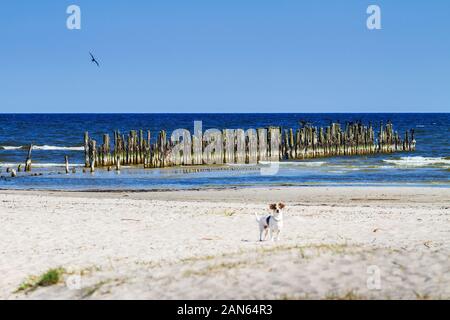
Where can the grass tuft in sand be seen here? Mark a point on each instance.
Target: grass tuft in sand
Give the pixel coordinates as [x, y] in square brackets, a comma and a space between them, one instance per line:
[49, 278]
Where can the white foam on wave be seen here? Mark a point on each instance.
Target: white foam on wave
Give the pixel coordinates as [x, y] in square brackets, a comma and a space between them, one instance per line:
[44, 147]
[10, 148]
[241, 164]
[40, 165]
[418, 161]
[295, 163]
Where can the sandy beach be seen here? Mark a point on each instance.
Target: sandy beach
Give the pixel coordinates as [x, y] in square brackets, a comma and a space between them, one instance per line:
[337, 243]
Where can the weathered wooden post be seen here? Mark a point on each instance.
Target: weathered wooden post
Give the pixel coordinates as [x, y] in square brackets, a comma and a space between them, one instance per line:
[197, 143]
[28, 160]
[413, 141]
[93, 155]
[86, 149]
[213, 151]
[147, 151]
[262, 144]
[181, 152]
[406, 142]
[252, 146]
[229, 149]
[135, 147]
[275, 143]
[66, 158]
[241, 147]
[162, 152]
[104, 156]
[141, 147]
[292, 154]
[117, 163]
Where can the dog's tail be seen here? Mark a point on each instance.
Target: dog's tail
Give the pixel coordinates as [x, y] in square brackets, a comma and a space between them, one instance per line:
[257, 217]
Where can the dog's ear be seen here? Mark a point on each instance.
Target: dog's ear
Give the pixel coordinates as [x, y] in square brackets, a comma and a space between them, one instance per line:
[273, 206]
[281, 205]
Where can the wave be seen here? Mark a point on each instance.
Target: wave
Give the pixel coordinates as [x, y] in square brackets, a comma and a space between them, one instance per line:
[10, 148]
[419, 161]
[241, 164]
[295, 163]
[44, 147]
[281, 163]
[40, 165]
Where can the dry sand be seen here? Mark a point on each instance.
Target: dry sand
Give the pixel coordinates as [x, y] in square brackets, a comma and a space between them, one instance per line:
[202, 244]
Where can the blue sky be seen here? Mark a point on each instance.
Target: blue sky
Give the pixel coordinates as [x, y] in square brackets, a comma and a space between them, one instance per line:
[225, 56]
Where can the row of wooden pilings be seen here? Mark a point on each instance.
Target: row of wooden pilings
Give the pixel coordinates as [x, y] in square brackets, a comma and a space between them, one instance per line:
[238, 146]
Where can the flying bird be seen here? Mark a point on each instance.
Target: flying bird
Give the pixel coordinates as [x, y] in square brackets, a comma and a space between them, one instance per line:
[94, 60]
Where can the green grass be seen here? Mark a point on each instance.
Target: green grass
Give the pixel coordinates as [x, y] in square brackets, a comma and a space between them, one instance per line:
[27, 285]
[49, 278]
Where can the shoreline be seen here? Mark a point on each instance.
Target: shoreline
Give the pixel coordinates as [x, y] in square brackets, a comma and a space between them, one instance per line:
[240, 187]
[195, 194]
[203, 244]
[412, 171]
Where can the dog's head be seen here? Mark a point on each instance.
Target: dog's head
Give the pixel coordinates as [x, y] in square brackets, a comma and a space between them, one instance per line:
[277, 208]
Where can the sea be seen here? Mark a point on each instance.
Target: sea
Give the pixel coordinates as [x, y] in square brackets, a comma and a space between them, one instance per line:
[55, 136]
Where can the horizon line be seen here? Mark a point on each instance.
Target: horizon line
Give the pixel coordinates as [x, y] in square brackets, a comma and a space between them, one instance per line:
[188, 113]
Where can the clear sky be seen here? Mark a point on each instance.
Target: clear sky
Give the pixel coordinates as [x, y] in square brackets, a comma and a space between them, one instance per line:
[225, 56]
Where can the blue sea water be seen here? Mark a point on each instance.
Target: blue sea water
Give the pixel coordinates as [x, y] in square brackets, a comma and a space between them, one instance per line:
[57, 135]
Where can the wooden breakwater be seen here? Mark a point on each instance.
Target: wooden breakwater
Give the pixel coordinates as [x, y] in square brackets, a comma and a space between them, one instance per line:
[238, 146]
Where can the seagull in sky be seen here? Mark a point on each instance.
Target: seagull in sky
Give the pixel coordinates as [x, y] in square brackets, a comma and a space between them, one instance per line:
[94, 60]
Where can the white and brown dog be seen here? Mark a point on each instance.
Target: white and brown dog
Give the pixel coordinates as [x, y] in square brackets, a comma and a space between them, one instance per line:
[271, 223]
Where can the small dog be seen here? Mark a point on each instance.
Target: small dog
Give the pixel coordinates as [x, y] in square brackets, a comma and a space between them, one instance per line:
[272, 223]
